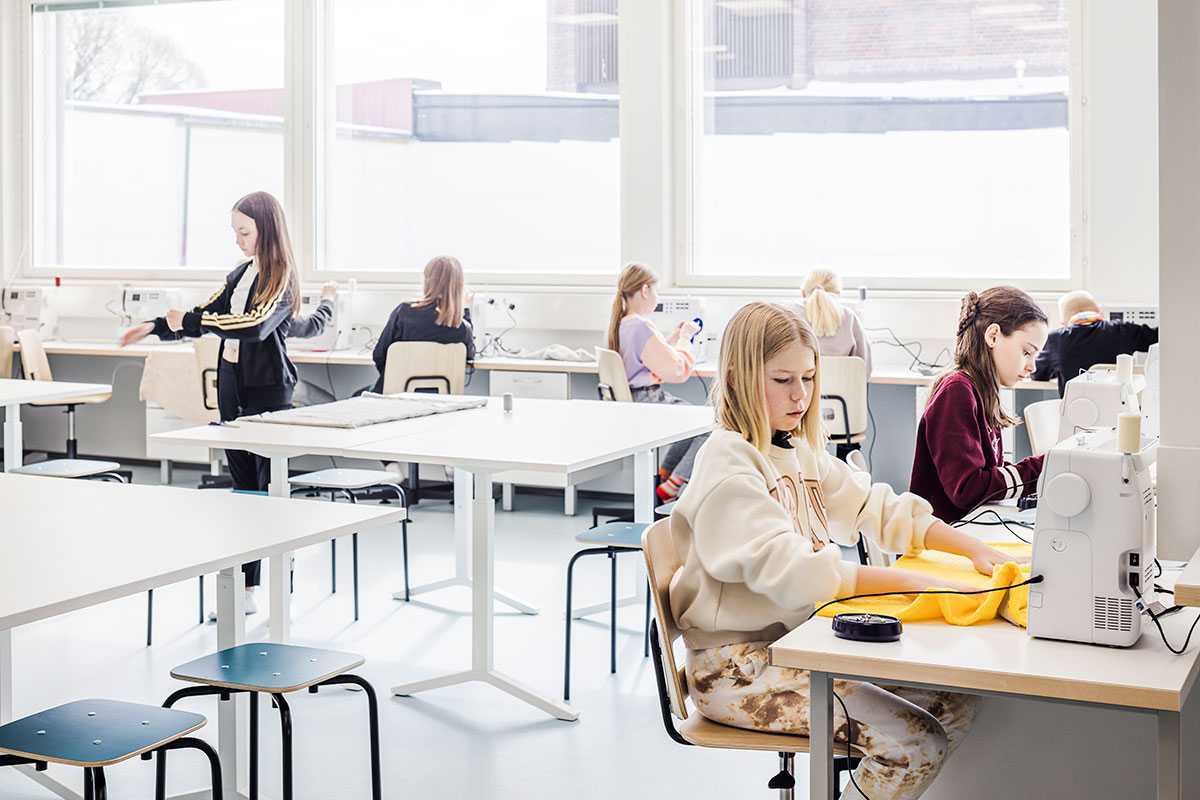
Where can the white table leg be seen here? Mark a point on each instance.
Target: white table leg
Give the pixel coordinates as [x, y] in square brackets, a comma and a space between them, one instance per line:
[482, 622]
[820, 736]
[570, 497]
[6, 676]
[643, 511]
[506, 496]
[231, 631]
[280, 565]
[463, 519]
[13, 454]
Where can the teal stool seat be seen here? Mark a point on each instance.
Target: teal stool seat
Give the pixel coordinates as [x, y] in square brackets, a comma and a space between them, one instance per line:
[276, 670]
[94, 734]
[267, 667]
[615, 534]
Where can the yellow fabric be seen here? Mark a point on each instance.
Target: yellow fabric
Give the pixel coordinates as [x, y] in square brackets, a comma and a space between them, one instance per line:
[1012, 605]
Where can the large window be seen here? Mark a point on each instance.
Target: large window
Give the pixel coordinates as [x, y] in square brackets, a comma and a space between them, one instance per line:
[149, 121]
[890, 140]
[481, 129]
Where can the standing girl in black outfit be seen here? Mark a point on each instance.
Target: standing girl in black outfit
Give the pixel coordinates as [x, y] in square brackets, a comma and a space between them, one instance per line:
[253, 312]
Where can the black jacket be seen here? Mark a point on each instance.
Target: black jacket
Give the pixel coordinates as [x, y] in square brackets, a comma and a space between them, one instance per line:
[1078, 348]
[267, 374]
[408, 323]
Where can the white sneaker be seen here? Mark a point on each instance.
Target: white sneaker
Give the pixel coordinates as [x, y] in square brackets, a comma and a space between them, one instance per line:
[248, 603]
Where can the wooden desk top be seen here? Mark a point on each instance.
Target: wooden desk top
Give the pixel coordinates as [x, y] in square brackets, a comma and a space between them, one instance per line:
[1000, 657]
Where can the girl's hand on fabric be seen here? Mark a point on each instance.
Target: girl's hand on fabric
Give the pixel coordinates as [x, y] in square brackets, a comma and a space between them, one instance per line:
[986, 558]
[136, 333]
[175, 319]
[329, 291]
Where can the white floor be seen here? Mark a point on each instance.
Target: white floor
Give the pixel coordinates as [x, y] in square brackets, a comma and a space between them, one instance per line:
[457, 742]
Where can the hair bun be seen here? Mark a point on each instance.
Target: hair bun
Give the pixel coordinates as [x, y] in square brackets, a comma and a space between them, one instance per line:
[969, 312]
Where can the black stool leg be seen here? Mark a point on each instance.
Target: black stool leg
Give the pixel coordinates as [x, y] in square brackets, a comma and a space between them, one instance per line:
[100, 786]
[89, 790]
[567, 637]
[285, 723]
[187, 743]
[253, 745]
[612, 628]
[404, 546]
[373, 719]
[646, 637]
[149, 618]
[354, 550]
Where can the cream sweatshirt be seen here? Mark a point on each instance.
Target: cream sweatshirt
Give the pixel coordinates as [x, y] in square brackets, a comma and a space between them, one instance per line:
[754, 530]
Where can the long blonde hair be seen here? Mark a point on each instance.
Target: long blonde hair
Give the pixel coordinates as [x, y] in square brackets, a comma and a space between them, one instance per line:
[756, 334]
[632, 279]
[821, 306]
[273, 253]
[444, 290]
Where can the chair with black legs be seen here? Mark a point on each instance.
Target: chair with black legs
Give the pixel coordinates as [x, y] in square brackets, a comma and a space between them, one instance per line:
[94, 734]
[277, 670]
[662, 562]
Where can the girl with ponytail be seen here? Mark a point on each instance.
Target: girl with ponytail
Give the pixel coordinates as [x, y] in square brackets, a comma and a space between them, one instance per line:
[838, 329]
[651, 360]
[959, 462]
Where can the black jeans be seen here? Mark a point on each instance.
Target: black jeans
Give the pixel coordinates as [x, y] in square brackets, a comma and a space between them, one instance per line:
[249, 471]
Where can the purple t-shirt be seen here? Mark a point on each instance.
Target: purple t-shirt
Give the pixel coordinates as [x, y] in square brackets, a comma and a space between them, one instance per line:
[633, 335]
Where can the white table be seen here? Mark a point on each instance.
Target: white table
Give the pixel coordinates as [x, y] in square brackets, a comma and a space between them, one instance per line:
[560, 436]
[84, 543]
[1000, 659]
[13, 393]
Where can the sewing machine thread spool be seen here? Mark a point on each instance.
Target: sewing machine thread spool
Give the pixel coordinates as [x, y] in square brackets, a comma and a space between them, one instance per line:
[1124, 368]
[1129, 432]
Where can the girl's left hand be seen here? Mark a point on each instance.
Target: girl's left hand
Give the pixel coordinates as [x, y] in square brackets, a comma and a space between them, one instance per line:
[986, 558]
[175, 319]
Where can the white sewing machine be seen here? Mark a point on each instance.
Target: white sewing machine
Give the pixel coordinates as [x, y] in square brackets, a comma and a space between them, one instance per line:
[339, 331]
[1097, 397]
[139, 304]
[23, 309]
[1094, 541]
[671, 311]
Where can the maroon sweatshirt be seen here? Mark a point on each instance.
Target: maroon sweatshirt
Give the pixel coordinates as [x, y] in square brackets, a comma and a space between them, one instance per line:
[959, 463]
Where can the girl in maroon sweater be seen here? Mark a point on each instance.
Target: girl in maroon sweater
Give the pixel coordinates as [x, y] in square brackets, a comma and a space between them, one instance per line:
[959, 463]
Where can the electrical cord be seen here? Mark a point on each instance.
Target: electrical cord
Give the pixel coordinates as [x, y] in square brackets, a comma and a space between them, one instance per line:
[964, 592]
[997, 495]
[874, 431]
[1163, 633]
[1007, 523]
[849, 742]
[1158, 566]
[907, 348]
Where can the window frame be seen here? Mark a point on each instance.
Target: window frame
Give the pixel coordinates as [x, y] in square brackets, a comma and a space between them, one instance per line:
[657, 116]
[688, 82]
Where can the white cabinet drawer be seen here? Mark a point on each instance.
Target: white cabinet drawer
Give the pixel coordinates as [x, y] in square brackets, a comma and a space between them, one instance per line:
[541, 385]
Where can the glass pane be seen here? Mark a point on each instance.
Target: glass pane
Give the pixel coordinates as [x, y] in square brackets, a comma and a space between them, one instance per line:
[149, 123]
[883, 139]
[480, 129]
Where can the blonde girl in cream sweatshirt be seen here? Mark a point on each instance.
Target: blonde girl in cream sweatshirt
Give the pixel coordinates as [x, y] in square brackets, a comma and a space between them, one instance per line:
[756, 529]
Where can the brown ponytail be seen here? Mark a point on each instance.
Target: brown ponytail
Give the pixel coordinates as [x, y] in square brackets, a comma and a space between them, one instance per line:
[1005, 306]
[632, 279]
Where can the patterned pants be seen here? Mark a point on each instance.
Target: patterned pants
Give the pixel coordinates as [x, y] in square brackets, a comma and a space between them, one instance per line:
[906, 734]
